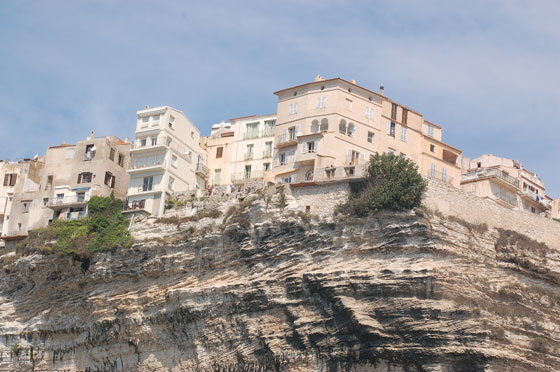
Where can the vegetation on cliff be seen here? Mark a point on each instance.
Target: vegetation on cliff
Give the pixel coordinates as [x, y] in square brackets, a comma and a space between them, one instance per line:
[105, 228]
[392, 183]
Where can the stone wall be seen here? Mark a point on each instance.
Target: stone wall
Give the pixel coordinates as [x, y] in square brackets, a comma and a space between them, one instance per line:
[321, 199]
[471, 208]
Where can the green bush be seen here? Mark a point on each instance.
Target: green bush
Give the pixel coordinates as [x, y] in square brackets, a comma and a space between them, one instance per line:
[392, 182]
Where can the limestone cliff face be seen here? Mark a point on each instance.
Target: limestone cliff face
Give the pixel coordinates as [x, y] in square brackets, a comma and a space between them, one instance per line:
[394, 292]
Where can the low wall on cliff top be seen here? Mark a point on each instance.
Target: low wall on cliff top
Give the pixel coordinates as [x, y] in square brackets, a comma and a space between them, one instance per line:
[449, 201]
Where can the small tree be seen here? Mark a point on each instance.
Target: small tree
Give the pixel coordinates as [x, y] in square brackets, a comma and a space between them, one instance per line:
[392, 182]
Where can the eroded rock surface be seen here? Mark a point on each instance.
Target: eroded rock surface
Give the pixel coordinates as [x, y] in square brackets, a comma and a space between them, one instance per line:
[394, 292]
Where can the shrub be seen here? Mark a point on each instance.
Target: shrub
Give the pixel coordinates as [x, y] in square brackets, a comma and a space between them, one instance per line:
[392, 182]
[539, 344]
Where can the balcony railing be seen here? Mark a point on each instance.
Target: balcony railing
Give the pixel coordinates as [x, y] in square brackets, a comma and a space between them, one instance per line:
[509, 198]
[267, 153]
[144, 188]
[287, 139]
[139, 164]
[73, 199]
[247, 176]
[249, 156]
[202, 170]
[440, 176]
[164, 141]
[490, 172]
[268, 132]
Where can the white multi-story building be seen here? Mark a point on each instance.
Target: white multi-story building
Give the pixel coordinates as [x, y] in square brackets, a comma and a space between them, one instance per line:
[166, 158]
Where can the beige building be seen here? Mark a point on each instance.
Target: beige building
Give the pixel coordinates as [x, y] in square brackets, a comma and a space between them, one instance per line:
[241, 151]
[506, 182]
[166, 158]
[555, 208]
[327, 130]
[59, 185]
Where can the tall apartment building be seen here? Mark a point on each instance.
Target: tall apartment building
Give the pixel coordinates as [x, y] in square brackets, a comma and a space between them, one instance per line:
[166, 158]
[241, 151]
[327, 130]
[506, 182]
[59, 185]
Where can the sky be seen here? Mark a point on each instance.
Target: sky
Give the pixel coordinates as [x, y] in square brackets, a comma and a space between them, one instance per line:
[486, 71]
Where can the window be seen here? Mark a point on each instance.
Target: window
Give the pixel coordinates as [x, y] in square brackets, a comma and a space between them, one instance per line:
[433, 170]
[269, 128]
[403, 134]
[292, 109]
[171, 121]
[479, 164]
[251, 130]
[174, 160]
[404, 116]
[26, 206]
[109, 179]
[432, 148]
[249, 151]
[217, 177]
[342, 126]
[45, 202]
[112, 154]
[49, 182]
[247, 172]
[143, 142]
[219, 152]
[444, 174]
[309, 175]
[309, 147]
[145, 121]
[155, 118]
[394, 111]
[266, 167]
[81, 197]
[171, 182]
[84, 177]
[351, 130]
[154, 141]
[370, 137]
[121, 160]
[10, 179]
[192, 134]
[315, 126]
[391, 151]
[267, 149]
[369, 113]
[148, 183]
[292, 133]
[321, 102]
[283, 158]
[391, 128]
[324, 125]
[430, 130]
[402, 155]
[353, 157]
[90, 152]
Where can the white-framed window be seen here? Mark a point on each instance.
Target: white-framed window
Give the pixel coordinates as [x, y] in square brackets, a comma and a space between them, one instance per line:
[391, 151]
[45, 202]
[217, 177]
[430, 130]
[154, 141]
[155, 118]
[370, 137]
[173, 160]
[145, 121]
[26, 206]
[402, 155]
[369, 112]
[403, 134]
[321, 102]
[391, 126]
[171, 121]
[292, 109]
[433, 170]
[310, 147]
[283, 158]
[266, 167]
[171, 182]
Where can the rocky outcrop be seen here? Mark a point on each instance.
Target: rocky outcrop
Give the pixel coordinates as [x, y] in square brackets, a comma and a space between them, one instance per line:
[394, 292]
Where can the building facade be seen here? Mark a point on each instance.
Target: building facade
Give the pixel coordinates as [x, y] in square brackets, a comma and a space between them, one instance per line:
[166, 158]
[241, 151]
[506, 182]
[59, 185]
[327, 130]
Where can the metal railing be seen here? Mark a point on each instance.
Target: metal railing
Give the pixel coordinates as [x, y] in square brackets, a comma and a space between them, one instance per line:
[248, 156]
[490, 172]
[72, 199]
[440, 176]
[509, 198]
[144, 188]
[247, 176]
[139, 164]
[286, 139]
[165, 141]
[267, 153]
[202, 169]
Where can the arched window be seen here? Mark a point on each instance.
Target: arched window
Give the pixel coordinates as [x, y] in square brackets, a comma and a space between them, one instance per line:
[351, 129]
[309, 175]
[324, 125]
[342, 126]
[315, 126]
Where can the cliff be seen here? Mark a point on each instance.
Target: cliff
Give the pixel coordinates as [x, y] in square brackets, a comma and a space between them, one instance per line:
[274, 290]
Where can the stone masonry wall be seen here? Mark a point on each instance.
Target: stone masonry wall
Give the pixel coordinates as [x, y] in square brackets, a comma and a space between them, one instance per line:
[321, 199]
[471, 208]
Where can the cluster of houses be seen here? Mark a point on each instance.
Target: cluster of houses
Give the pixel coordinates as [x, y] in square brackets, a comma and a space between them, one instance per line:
[323, 131]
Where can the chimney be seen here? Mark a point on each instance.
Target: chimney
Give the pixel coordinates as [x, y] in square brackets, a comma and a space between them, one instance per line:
[353, 81]
[382, 89]
[127, 140]
[147, 107]
[319, 78]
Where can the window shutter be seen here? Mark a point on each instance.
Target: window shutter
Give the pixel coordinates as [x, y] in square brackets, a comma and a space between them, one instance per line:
[362, 158]
[303, 147]
[284, 135]
[389, 128]
[294, 177]
[79, 178]
[297, 130]
[349, 156]
[14, 179]
[113, 182]
[6, 179]
[316, 146]
[276, 158]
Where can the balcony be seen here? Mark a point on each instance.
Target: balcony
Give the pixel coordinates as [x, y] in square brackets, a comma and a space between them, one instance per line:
[135, 205]
[267, 153]
[243, 177]
[68, 201]
[490, 172]
[202, 170]
[75, 215]
[285, 141]
[248, 156]
[144, 165]
[268, 132]
[509, 198]
[440, 176]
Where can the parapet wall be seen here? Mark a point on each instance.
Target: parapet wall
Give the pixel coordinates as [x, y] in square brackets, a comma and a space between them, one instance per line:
[321, 199]
[474, 209]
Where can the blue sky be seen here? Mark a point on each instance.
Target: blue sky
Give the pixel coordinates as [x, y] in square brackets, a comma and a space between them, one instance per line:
[487, 71]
